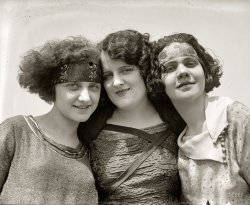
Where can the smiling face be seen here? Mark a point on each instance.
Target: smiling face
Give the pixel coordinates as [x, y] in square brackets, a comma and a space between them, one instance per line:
[123, 83]
[76, 101]
[182, 73]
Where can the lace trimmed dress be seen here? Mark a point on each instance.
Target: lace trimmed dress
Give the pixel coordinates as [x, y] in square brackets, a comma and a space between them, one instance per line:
[36, 170]
[156, 181]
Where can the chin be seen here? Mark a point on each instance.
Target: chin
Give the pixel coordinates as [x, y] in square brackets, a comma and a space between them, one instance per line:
[124, 105]
[81, 118]
[84, 119]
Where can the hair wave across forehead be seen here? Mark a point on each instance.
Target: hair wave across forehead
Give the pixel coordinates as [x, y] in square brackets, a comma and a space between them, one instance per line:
[130, 46]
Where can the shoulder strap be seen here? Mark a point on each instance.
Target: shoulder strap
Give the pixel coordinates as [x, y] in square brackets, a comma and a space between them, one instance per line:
[131, 169]
[130, 130]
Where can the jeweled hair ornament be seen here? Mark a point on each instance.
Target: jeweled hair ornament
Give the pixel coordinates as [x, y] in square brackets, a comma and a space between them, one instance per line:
[81, 71]
[175, 50]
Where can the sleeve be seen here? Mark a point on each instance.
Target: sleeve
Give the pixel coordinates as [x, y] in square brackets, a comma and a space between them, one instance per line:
[7, 149]
[245, 163]
[243, 149]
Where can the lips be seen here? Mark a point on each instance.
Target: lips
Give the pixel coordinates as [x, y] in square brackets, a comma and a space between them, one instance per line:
[122, 92]
[82, 106]
[184, 83]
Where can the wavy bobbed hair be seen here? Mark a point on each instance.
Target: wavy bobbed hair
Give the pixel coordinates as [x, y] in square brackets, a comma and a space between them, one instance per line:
[130, 46]
[133, 48]
[39, 66]
[211, 65]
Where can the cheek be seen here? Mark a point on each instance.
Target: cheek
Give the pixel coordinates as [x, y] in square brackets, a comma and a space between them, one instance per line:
[69, 95]
[141, 84]
[62, 96]
[168, 83]
[138, 80]
[107, 86]
[202, 77]
[165, 80]
[96, 97]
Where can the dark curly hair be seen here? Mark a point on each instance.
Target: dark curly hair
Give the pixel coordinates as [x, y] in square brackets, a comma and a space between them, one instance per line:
[130, 46]
[39, 66]
[211, 66]
[133, 48]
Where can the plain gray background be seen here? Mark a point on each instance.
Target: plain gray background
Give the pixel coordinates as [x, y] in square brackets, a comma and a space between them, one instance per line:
[222, 26]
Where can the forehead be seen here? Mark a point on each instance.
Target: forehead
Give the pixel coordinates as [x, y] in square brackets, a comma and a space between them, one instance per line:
[86, 83]
[111, 64]
[176, 50]
[79, 83]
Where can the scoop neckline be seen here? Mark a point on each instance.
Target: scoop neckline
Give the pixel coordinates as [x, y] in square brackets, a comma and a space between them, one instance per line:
[77, 152]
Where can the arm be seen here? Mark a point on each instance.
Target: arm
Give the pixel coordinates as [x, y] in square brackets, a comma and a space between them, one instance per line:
[7, 149]
[245, 153]
[241, 118]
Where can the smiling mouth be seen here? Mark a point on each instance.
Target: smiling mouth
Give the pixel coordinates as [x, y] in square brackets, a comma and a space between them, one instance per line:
[82, 107]
[184, 83]
[122, 92]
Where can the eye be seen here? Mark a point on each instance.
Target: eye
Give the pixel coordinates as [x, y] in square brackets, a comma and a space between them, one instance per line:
[168, 68]
[95, 86]
[191, 63]
[72, 86]
[107, 76]
[127, 70]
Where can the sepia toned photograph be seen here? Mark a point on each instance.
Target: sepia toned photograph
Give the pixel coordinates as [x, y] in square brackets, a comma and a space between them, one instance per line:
[125, 102]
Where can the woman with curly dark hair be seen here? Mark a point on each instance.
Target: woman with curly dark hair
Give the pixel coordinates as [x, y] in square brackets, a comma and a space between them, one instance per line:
[214, 154]
[42, 160]
[133, 150]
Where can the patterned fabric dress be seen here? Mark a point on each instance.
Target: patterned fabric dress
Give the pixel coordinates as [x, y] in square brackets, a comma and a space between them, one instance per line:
[156, 181]
[214, 166]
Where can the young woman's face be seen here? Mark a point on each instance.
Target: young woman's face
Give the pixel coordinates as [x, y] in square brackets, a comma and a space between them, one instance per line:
[182, 72]
[77, 100]
[123, 83]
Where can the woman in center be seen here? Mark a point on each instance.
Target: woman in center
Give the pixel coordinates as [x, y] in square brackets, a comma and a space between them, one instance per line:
[134, 156]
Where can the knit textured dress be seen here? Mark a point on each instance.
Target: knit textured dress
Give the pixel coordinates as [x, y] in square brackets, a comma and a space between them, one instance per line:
[36, 170]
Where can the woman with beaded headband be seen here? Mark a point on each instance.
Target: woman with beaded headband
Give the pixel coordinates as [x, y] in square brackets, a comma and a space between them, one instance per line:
[42, 160]
[214, 154]
[127, 126]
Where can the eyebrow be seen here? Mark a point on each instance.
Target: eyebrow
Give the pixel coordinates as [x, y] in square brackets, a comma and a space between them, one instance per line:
[184, 58]
[125, 66]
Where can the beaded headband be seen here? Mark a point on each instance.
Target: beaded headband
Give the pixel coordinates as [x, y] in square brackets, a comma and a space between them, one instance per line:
[81, 71]
[175, 50]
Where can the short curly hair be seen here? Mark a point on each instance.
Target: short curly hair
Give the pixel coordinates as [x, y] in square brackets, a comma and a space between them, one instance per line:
[131, 46]
[39, 66]
[211, 66]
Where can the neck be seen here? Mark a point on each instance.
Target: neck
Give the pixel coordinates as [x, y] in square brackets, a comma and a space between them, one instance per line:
[141, 116]
[193, 113]
[59, 128]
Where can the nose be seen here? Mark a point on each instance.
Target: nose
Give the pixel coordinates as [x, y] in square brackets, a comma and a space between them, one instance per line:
[84, 95]
[182, 72]
[117, 81]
